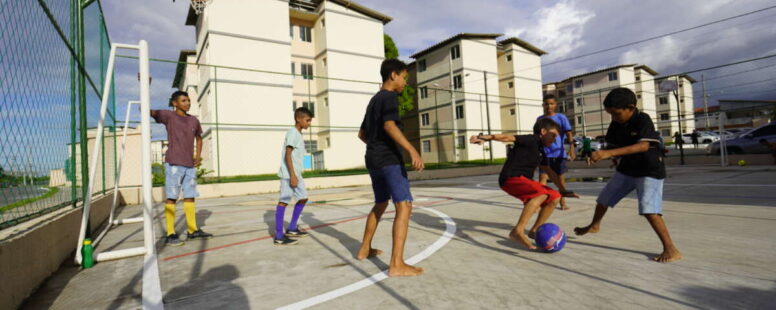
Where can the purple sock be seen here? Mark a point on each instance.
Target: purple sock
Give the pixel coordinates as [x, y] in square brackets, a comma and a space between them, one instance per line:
[280, 211]
[294, 218]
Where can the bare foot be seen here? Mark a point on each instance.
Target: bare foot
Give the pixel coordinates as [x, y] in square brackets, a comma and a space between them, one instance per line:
[668, 256]
[587, 229]
[532, 234]
[522, 239]
[564, 208]
[404, 270]
[362, 253]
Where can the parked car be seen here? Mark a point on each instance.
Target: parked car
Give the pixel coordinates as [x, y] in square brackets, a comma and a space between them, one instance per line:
[726, 134]
[748, 142]
[594, 145]
[703, 138]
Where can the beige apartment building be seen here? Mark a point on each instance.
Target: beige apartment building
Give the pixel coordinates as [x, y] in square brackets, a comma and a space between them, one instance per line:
[581, 98]
[520, 85]
[283, 50]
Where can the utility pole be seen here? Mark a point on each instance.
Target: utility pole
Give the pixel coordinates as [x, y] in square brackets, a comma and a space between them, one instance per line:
[705, 103]
[487, 112]
[679, 119]
[452, 107]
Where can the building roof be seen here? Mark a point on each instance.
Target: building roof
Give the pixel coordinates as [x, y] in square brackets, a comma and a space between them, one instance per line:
[191, 17]
[599, 71]
[685, 76]
[181, 67]
[523, 44]
[647, 68]
[456, 37]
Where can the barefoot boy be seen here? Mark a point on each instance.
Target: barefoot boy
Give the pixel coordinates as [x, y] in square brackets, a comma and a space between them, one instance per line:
[291, 182]
[632, 137]
[516, 176]
[381, 132]
[555, 153]
[180, 165]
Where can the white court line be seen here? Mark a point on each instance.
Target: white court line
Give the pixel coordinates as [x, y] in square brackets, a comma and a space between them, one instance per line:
[152, 287]
[450, 228]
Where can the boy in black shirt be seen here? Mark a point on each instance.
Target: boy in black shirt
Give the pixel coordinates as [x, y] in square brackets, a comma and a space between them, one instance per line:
[632, 137]
[516, 176]
[381, 131]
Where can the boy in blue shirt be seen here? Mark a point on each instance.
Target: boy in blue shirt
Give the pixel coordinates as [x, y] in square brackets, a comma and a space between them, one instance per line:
[555, 154]
[291, 182]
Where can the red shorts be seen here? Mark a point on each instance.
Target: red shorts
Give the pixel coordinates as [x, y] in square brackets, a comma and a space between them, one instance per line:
[526, 189]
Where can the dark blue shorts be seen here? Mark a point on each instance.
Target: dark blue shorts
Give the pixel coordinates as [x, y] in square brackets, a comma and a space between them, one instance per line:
[557, 164]
[390, 183]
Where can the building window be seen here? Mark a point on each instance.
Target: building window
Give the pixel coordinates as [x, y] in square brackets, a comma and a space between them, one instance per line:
[612, 76]
[455, 52]
[580, 101]
[328, 142]
[578, 84]
[325, 63]
[511, 111]
[681, 100]
[511, 84]
[310, 106]
[568, 88]
[663, 100]
[291, 30]
[664, 116]
[424, 92]
[305, 34]
[638, 78]
[424, 119]
[665, 132]
[311, 146]
[421, 65]
[294, 105]
[579, 119]
[326, 100]
[457, 83]
[509, 57]
[638, 96]
[323, 22]
[293, 68]
[459, 112]
[461, 142]
[426, 146]
[307, 71]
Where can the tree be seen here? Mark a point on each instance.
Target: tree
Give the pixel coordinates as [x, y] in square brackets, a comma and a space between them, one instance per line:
[407, 97]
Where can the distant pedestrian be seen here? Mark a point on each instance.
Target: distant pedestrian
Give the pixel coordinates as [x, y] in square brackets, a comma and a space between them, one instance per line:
[694, 137]
[678, 140]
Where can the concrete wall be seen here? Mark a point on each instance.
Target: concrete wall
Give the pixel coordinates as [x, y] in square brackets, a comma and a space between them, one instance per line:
[30, 252]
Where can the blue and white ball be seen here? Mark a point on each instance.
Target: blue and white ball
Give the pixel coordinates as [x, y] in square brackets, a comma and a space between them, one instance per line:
[550, 238]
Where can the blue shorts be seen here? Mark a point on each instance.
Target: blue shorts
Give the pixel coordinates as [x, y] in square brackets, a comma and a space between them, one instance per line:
[177, 177]
[557, 164]
[286, 191]
[390, 182]
[648, 190]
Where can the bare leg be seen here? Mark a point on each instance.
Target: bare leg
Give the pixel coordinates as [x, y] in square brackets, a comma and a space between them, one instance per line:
[595, 226]
[543, 177]
[562, 178]
[518, 233]
[397, 267]
[544, 214]
[369, 231]
[670, 253]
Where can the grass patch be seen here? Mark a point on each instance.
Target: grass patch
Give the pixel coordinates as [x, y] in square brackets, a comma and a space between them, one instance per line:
[52, 191]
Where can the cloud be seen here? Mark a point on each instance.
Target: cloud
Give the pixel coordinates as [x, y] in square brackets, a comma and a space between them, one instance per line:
[558, 28]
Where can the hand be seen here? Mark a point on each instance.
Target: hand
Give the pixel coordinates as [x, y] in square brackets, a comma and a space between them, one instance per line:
[476, 140]
[569, 194]
[197, 161]
[614, 163]
[600, 155]
[572, 155]
[294, 181]
[417, 162]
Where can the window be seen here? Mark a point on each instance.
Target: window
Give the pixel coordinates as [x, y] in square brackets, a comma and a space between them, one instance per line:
[638, 96]
[293, 68]
[424, 120]
[310, 106]
[509, 57]
[665, 132]
[461, 142]
[681, 100]
[424, 92]
[323, 22]
[294, 105]
[311, 146]
[455, 52]
[457, 83]
[568, 88]
[421, 65]
[511, 111]
[663, 116]
[291, 30]
[326, 100]
[612, 76]
[638, 78]
[580, 101]
[325, 63]
[426, 146]
[578, 84]
[307, 71]
[511, 84]
[459, 112]
[328, 142]
[579, 119]
[663, 100]
[305, 34]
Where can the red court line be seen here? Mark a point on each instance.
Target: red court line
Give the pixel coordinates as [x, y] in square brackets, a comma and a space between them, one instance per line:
[308, 229]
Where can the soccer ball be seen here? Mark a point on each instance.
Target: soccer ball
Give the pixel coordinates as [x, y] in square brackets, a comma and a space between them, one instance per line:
[742, 163]
[550, 238]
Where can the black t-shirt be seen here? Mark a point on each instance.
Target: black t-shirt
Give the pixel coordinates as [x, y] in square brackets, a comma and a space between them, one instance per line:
[381, 150]
[638, 128]
[522, 159]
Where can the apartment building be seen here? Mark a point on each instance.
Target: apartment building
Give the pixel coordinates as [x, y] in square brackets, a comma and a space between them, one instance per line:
[667, 119]
[520, 85]
[284, 49]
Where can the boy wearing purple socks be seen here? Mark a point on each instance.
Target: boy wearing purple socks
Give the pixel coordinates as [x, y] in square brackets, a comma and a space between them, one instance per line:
[291, 182]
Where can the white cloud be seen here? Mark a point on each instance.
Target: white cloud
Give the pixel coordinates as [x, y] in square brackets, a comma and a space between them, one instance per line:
[558, 28]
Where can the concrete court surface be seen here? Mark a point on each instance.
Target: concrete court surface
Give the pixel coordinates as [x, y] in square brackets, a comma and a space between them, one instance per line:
[722, 219]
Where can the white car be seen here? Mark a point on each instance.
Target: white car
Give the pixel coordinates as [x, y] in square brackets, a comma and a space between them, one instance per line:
[703, 138]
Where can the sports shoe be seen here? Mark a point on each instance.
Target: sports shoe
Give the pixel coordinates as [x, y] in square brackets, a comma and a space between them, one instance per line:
[296, 233]
[286, 241]
[199, 234]
[173, 240]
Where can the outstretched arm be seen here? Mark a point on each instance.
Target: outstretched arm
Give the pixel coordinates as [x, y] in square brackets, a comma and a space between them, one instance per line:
[640, 147]
[479, 139]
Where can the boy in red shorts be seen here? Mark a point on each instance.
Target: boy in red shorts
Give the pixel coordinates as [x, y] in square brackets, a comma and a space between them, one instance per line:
[516, 176]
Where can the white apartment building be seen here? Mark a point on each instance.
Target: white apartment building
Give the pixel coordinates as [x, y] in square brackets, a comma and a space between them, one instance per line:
[520, 85]
[667, 116]
[460, 69]
[286, 47]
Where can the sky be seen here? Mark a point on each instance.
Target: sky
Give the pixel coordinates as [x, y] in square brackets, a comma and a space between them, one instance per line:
[564, 29]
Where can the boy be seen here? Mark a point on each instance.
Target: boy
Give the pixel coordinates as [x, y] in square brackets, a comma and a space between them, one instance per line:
[771, 147]
[381, 132]
[291, 182]
[516, 176]
[180, 171]
[555, 154]
[587, 147]
[631, 137]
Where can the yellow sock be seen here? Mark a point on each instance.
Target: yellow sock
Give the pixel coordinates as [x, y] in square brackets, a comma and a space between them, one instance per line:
[191, 216]
[169, 214]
